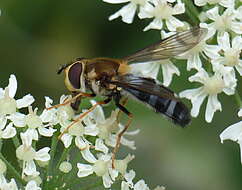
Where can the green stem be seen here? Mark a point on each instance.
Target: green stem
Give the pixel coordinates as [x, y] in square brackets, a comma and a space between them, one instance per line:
[1, 144]
[63, 156]
[54, 143]
[16, 141]
[12, 170]
[238, 99]
[192, 11]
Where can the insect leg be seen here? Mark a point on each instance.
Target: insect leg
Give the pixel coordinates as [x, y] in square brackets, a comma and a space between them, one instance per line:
[83, 115]
[130, 115]
[120, 111]
[80, 94]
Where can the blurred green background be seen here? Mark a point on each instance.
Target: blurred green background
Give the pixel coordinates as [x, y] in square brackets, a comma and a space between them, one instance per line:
[36, 37]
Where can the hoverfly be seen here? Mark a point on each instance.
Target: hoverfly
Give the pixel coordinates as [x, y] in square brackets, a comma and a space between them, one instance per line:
[111, 79]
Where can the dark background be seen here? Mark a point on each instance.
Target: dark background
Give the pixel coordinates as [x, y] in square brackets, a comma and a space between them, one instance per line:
[36, 37]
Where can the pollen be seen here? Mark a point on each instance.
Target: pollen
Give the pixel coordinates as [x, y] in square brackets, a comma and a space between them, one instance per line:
[232, 57]
[214, 85]
[100, 167]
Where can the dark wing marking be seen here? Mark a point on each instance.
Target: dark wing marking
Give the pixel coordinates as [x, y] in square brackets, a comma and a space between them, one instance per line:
[147, 85]
[160, 98]
[169, 47]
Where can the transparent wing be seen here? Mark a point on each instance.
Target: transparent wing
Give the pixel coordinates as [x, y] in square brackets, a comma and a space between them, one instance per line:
[169, 47]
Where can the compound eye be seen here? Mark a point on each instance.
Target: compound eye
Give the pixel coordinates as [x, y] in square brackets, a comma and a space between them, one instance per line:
[74, 75]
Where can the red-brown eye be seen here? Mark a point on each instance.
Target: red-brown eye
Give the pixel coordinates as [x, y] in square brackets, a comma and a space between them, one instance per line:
[74, 75]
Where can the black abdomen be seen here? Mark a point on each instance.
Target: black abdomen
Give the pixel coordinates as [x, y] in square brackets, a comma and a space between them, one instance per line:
[172, 108]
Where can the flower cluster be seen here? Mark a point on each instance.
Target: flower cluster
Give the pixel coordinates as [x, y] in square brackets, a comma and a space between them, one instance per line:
[216, 58]
[92, 139]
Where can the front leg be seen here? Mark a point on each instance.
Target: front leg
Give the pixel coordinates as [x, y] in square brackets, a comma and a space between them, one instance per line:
[78, 95]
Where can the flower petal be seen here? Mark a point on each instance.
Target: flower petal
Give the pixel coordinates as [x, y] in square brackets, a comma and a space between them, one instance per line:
[88, 156]
[99, 146]
[148, 69]
[124, 186]
[107, 181]
[140, 185]
[128, 143]
[91, 130]
[12, 86]
[173, 23]
[212, 106]
[179, 8]
[197, 97]
[127, 13]
[47, 132]
[168, 70]
[157, 24]
[66, 139]
[26, 101]
[233, 132]
[18, 119]
[213, 13]
[84, 170]
[43, 154]
[224, 41]
[8, 132]
[3, 122]
[129, 176]
[30, 168]
[194, 61]
[32, 185]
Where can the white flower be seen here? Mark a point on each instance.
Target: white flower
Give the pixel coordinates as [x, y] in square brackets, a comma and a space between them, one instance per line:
[128, 11]
[35, 124]
[212, 86]
[65, 167]
[231, 53]
[128, 183]
[58, 113]
[222, 23]
[102, 168]
[28, 154]
[32, 185]
[224, 3]
[49, 116]
[121, 165]
[11, 185]
[234, 133]
[163, 11]
[8, 104]
[201, 49]
[108, 128]
[151, 70]
[8, 131]
[77, 131]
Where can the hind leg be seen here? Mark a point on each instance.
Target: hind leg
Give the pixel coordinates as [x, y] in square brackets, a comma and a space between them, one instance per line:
[130, 115]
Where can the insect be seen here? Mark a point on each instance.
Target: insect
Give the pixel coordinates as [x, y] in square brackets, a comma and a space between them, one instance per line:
[111, 79]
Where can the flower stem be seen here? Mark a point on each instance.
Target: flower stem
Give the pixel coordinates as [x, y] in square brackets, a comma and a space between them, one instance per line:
[16, 141]
[54, 143]
[238, 99]
[63, 156]
[192, 11]
[12, 170]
